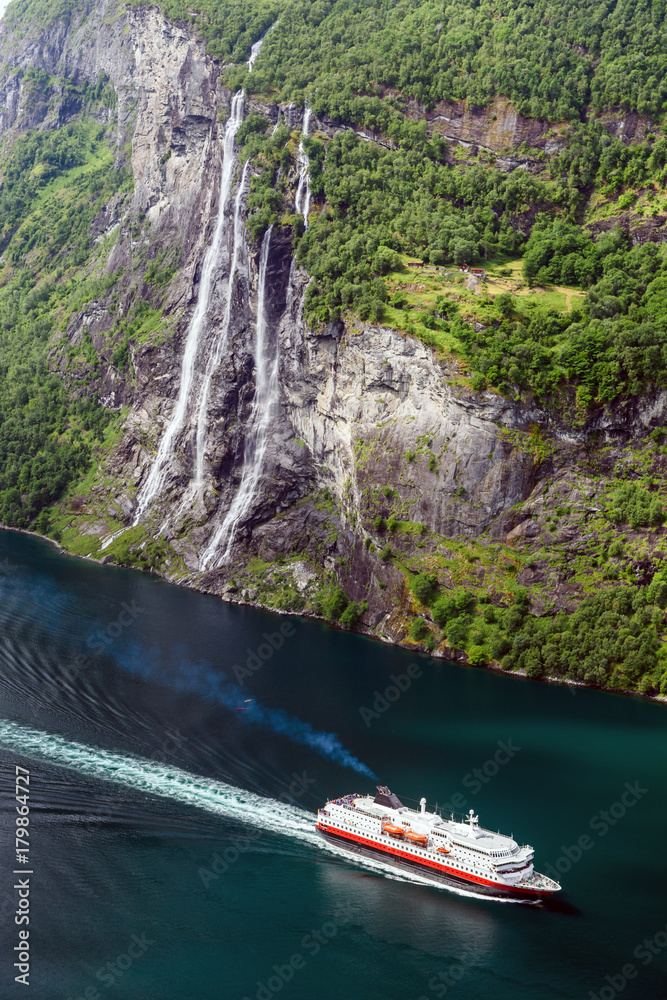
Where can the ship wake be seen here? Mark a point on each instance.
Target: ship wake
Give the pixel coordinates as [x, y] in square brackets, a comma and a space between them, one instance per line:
[178, 785]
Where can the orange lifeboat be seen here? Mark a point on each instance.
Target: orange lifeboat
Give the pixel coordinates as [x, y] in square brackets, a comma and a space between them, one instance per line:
[392, 830]
[444, 850]
[416, 838]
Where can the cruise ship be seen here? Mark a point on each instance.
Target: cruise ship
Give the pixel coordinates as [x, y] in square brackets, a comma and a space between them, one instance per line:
[451, 852]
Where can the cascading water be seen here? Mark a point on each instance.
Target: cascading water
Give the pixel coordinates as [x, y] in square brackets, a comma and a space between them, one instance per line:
[221, 342]
[156, 479]
[302, 199]
[254, 51]
[266, 392]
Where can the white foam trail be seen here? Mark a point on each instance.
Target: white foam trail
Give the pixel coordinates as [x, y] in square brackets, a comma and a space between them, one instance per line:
[167, 782]
[302, 199]
[263, 408]
[215, 357]
[156, 479]
[178, 785]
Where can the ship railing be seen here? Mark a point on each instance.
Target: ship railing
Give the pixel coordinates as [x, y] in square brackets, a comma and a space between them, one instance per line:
[356, 809]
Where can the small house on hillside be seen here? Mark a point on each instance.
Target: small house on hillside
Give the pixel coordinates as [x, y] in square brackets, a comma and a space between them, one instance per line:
[479, 272]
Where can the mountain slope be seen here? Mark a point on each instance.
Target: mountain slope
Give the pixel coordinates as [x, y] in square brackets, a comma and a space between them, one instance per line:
[238, 347]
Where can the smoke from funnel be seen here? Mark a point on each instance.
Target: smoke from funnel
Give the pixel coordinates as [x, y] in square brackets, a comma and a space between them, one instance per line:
[201, 679]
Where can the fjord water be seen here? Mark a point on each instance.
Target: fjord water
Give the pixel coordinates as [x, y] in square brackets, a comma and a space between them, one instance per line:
[119, 693]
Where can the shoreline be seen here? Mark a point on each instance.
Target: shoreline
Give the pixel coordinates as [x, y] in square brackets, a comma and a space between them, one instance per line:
[456, 658]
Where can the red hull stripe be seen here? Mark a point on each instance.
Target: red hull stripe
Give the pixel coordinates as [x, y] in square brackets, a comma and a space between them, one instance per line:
[426, 862]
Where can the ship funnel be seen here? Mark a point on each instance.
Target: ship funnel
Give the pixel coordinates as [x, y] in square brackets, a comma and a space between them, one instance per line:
[422, 806]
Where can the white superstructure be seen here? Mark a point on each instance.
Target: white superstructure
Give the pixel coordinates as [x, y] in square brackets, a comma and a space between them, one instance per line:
[448, 850]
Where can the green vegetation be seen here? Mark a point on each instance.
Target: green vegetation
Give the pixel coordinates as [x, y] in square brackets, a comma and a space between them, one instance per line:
[551, 59]
[272, 155]
[335, 604]
[54, 184]
[616, 344]
[423, 587]
[574, 319]
[634, 504]
[380, 202]
[419, 630]
[613, 639]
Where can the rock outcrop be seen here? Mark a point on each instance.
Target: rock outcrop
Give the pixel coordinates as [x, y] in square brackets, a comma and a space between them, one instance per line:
[367, 423]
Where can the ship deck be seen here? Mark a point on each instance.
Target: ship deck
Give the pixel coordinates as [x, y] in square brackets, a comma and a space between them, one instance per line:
[496, 845]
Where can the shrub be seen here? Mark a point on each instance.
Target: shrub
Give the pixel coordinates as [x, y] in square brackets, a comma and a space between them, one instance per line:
[386, 260]
[514, 618]
[385, 554]
[350, 615]
[457, 632]
[423, 587]
[398, 300]
[646, 685]
[334, 604]
[379, 523]
[477, 656]
[419, 629]
[452, 605]
[489, 614]
[500, 647]
[532, 663]
[634, 504]
[657, 593]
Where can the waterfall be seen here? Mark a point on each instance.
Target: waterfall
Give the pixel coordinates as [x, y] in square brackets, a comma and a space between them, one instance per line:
[256, 46]
[221, 343]
[266, 386]
[254, 51]
[155, 481]
[302, 200]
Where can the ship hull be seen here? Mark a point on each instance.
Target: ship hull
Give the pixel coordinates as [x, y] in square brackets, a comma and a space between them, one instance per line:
[442, 878]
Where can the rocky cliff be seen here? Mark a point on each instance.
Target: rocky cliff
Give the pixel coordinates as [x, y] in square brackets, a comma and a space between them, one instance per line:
[372, 458]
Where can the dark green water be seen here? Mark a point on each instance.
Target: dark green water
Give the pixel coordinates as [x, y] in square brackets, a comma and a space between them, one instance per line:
[125, 898]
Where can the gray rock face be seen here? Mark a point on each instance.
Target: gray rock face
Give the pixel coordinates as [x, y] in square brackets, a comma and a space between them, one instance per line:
[363, 416]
